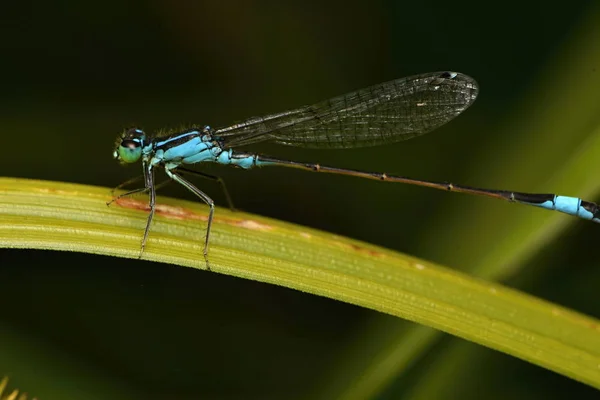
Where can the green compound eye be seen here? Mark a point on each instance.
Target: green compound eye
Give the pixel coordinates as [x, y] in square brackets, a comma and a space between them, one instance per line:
[129, 150]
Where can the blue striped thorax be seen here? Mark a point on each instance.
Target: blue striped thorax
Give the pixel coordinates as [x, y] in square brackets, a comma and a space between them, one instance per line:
[188, 147]
[191, 146]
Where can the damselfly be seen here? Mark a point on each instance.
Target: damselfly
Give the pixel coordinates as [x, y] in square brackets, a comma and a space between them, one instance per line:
[381, 114]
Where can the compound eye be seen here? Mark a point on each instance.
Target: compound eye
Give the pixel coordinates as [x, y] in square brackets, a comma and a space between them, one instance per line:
[129, 149]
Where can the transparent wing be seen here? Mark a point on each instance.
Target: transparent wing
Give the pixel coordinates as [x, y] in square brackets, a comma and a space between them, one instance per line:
[384, 113]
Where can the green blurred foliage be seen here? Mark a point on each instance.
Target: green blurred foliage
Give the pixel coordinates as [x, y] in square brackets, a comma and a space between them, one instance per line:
[75, 73]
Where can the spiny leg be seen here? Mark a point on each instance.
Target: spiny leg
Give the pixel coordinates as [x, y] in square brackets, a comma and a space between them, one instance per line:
[151, 188]
[149, 177]
[217, 179]
[134, 191]
[126, 194]
[178, 178]
[127, 183]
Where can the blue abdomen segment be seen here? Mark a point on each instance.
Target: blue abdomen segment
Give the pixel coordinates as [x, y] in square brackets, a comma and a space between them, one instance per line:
[227, 157]
[568, 205]
[242, 160]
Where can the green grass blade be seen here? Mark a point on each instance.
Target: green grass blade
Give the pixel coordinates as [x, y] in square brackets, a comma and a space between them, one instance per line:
[557, 124]
[553, 145]
[60, 216]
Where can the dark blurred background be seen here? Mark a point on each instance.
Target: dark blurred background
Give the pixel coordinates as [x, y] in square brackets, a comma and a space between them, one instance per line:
[73, 74]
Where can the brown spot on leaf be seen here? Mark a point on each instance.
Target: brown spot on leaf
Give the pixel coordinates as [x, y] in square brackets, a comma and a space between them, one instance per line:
[370, 252]
[182, 213]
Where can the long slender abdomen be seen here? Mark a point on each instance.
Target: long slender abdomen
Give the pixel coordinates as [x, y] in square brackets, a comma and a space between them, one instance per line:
[568, 205]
